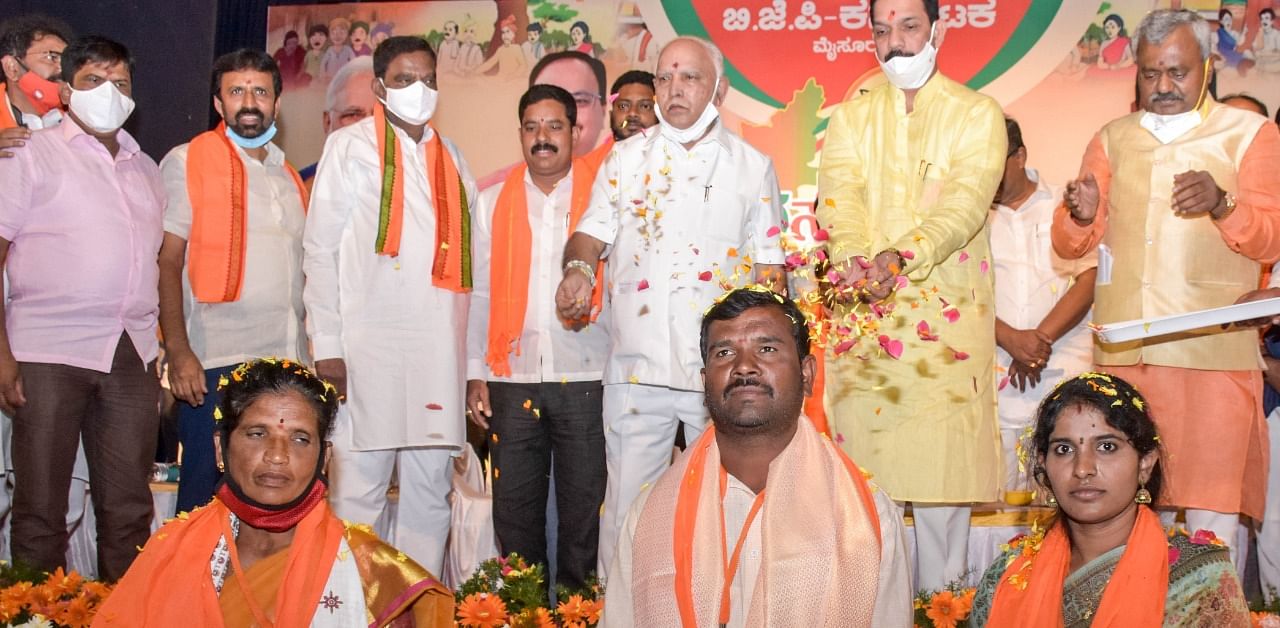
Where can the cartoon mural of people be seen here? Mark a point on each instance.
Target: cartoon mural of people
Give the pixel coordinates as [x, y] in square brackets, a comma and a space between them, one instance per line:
[1227, 43]
[381, 31]
[471, 53]
[360, 39]
[532, 46]
[317, 43]
[634, 39]
[1266, 46]
[508, 58]
[581, 35]
[1117, 50]
[291, 57]
[449, 53]
[339, 52]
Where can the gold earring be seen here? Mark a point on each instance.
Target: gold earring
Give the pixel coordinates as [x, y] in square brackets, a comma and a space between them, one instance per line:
[221, 468]
[1143, 496]
[1053, 501]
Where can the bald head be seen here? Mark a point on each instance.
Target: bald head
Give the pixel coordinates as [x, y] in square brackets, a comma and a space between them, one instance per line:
[688, 77]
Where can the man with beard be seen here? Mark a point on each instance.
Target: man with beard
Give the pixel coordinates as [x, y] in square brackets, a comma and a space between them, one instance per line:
[533, 382]
[1183, 204]
[31, 58]
[631, 106]
[225, 297]
[907, 177]
[812, 542]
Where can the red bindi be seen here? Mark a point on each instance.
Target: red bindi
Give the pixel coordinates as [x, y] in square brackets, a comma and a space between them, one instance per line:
[892, 13]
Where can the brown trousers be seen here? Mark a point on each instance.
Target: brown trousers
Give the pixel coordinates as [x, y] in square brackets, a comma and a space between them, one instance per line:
[117, 415]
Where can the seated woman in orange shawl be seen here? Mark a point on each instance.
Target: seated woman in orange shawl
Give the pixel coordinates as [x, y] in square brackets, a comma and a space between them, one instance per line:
[268, 551]
[1105, 561]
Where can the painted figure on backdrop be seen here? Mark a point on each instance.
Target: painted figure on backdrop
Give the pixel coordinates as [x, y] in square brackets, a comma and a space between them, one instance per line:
[360, 39]
[1117, 49]
[471, 54]
[580, 33]
[1266, 46]
[1228, 42]
[339, 51]
[381, 31]
[508, 58]
[291, 57]
[532, 47]
[317, 43]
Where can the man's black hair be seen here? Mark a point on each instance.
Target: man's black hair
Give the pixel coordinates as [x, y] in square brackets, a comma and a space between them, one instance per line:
[930, 9]
[732, 305]
[543, 91]
[636, 77]
[93, 49]
[392, 47]
[246, 59]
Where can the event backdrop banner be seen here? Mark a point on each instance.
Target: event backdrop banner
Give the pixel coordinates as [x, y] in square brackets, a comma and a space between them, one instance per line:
[1062, 68]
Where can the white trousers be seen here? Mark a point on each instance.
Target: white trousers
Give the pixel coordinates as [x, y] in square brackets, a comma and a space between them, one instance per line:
[639, 431]
[1224, 525]
[1269, 533]
[942, 544]
[358, 482]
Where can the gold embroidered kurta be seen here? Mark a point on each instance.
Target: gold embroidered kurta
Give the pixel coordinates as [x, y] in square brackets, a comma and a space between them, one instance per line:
[921, 182]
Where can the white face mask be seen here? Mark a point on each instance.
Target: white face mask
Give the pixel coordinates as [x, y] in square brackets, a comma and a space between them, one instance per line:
[414, 104]
[699, 126]
[103, 108]
[1167, 128]
[912, 72]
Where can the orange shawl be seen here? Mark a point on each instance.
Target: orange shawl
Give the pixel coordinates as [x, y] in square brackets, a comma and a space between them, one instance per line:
[820, 532]
[509, 272]
[219, 195]
[1134, 598]
[6, 116]
[451, 268]
[596, 157]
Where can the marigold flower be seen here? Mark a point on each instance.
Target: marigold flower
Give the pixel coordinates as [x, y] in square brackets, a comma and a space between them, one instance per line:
[944, 611]
[571, 610]
[482, 610]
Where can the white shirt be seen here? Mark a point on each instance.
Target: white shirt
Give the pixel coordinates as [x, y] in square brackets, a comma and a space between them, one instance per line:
[549, 352]
[1030, 279]
[267, 318]
[665, 228]
[402, 338]
[893, 595]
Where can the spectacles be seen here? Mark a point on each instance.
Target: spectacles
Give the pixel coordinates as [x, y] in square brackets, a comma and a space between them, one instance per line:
[586, 99]
[51, 56]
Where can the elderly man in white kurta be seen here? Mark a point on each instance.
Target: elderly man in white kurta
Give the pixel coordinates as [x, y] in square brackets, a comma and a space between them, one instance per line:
[682, 214]
[387, 263]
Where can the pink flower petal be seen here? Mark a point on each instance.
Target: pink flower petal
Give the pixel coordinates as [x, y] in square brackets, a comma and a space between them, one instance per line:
[890, 346]
[900, 282]
[773, 231]
[1004, 381]
[964, 257]
[951, 314]
[1174, 554]
[435, 406]
[705, 275]
[821, 235]
[821, 255]
[907, 254]
[862, 261]
[984, 266]
[960, 356]
[643, 285]
[925, 333]
[839, 438]
[845, 346]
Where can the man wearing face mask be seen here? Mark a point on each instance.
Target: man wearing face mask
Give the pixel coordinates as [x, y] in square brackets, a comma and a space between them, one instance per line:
[518, 350]
[908, 173]
[31, 58]
[387, 257]
[225, 297]
[83, 210]
[684, 212]
[1182, 202]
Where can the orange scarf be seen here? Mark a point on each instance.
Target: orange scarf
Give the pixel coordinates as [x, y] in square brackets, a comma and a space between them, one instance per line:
[170, 583]
[596, 157]
[6, 116]
[451, 268]
[820, 536]
[219, 193]
[1134, 597]
[509, 272]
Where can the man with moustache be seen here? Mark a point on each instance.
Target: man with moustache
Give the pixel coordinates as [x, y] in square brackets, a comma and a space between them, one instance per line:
[631, 109]
[387, 258]
[907, 177]
[80, 229]
[226, 298]
[1182, 203]
[684, 211]
[812, 542]
[31, 57]
[532, 381]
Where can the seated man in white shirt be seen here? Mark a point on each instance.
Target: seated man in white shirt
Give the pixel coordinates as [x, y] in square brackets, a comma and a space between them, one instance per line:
[806, 540]
[1041, 304]
[533, 382]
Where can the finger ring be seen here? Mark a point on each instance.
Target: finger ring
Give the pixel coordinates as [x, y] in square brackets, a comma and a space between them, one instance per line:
[468, 413]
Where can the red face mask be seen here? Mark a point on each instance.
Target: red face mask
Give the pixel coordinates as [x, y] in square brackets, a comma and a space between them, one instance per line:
[42, 92]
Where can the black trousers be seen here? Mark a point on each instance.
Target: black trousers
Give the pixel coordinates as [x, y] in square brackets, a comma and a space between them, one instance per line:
[564, 419]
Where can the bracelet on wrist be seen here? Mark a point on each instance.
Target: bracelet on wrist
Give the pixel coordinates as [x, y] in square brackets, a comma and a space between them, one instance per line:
[585, 268]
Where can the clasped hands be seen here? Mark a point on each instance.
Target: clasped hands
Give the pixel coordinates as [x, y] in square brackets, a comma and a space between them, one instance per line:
[870, 281]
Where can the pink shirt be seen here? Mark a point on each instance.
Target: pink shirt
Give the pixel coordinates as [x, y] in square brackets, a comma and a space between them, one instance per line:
[85, 231]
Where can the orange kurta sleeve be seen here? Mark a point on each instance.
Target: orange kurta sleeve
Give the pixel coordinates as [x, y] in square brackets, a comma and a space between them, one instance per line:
[1253, 229]
[1072, 240]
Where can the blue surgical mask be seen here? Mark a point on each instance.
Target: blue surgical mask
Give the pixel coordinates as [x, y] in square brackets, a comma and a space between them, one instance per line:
[252, 142]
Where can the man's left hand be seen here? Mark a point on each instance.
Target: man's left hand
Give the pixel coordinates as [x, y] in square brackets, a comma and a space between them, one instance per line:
[1195, 193]
[882, 277]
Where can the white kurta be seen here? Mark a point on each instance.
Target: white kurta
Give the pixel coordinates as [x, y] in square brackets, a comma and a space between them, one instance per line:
[266, 320]
[893, 595]
[669, 215]
[1030, 280]
[403, 339]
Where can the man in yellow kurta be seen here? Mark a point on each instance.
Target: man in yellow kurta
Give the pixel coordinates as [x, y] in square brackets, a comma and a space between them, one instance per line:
[908, 173]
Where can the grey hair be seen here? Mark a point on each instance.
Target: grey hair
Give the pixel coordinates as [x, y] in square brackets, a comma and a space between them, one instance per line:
[1158, 25]
[713, 51]
[358, 65]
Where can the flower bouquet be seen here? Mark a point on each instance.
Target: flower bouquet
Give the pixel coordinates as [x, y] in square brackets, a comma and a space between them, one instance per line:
[947, 608]
[34, 599]
[509, 592]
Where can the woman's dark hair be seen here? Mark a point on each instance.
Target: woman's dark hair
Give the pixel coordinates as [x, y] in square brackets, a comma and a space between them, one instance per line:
[1119, 22]
[1117, 401]
[586, 30]
[264, 376]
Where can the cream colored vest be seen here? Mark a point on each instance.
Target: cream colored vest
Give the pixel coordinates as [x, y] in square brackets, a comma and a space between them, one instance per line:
[1165, 264]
